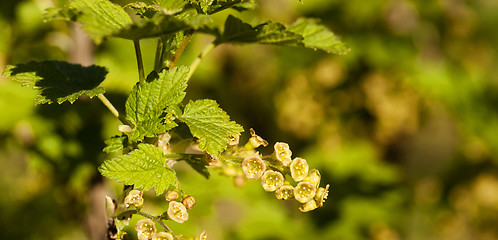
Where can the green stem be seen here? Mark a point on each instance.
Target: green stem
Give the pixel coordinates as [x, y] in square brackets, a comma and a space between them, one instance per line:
[140, 64]
[111, 108]
[197, 60]
[180, 50]
[157, 60]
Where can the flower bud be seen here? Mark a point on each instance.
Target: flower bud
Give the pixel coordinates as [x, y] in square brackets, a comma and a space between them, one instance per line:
[309, 206]
[321, 195]
[145, 229]
[272, 180]
[283, 153]
[299, 169]
[202, 236]
[188, 202]
[163, 143]
[253, 167]
[110, 205]
[125, 128]
[134, 198]
[285, 192]
[234, 140]
[177, 212]
[313, 177]
[163, 236]
[304, 191]
[171, 195]
[255, 141]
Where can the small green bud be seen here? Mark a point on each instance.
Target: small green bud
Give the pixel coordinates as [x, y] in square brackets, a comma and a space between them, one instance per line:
[188, 202]
[309, 206]
[321, 195]
[299, 169]
[283, 153]
[134, 198]
[177, 212]
[255, 141]
[285, 192]
[253, 167]
[125, 128]
[272, 180]
[171, 195]
[163, 236]
[313, 177]
[304, 192]
[145, 229]
[110, 206]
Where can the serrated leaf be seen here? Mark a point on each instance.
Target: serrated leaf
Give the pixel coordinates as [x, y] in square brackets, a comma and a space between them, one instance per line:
[210, 124]
[58, 81]
[143, 167]
[146, 103]
[237, 31]
[317, 36]
[100, 18]
[307, 33]
[116, 143]
[239, 5]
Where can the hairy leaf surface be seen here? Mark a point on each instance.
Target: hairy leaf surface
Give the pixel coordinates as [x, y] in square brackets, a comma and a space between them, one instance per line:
[146, 103]
[58, 81]
[116, 143]
[210, 124]
[143, 167]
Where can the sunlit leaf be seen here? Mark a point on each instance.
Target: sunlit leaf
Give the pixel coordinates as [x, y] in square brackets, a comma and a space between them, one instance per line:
[143, 167]
[317, 36]
[210, 124]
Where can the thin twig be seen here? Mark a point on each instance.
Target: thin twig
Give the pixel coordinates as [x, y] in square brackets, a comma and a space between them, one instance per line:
[113, 110]
[180, 49]
[197, 60]
[140, 64]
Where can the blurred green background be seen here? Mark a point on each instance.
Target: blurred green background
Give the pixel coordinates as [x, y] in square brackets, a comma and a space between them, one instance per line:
[404, 127]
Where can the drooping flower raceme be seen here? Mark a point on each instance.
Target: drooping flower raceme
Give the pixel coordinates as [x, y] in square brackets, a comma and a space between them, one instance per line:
[285, 192]
[177, 212]
[163, 236]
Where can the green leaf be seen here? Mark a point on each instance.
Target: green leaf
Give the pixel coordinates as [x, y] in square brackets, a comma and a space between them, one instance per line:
[239, 5]
[143, 167]
[237, 31]
[210, 124]
[116, 143]
[199, 165]
[58, 81]
[100, 18]
[171, 6]
[307, 33]
[317, 36]
[146, 103]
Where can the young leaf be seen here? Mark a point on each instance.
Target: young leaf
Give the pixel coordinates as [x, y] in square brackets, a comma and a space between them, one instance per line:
[317, 36]
[237, 31]
[146, 103]
[100, 18]
[143, 167]
[58, 81]
[170, 6]
[116, 143]
[210, 124]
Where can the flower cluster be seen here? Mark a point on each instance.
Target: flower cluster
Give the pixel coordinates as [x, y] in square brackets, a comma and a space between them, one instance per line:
[271, 172]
